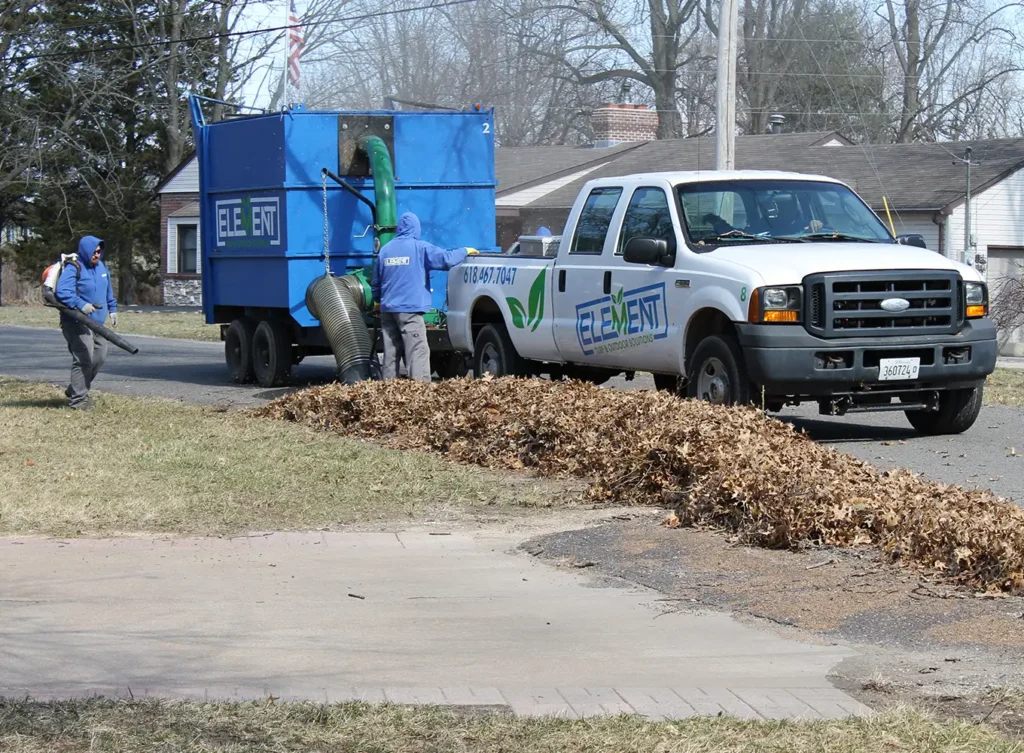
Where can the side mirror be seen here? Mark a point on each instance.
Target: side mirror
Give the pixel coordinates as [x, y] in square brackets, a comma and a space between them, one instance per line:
[912, 239]
[650, 251]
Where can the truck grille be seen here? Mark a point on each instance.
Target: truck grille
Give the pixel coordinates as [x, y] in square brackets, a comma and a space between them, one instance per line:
[849, 304]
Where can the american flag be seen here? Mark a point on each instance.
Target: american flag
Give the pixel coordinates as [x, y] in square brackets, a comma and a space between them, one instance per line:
[295, 44]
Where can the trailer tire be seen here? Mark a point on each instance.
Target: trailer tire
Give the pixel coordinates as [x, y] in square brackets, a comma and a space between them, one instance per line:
[238, 349]
[670, 383]
[272, 353]
[958, 410]
[494, 353]
[716, 372]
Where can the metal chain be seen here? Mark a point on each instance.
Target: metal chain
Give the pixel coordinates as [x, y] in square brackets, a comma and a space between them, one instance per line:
[327, 247]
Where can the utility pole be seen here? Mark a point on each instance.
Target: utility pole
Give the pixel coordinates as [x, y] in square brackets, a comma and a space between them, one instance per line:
[725, 105]
[967, 206]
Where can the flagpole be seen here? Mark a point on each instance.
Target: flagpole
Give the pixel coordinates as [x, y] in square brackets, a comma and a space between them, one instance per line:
[285, 84]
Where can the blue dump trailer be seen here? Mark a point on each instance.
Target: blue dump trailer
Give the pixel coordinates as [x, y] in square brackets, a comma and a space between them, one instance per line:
[294, 206]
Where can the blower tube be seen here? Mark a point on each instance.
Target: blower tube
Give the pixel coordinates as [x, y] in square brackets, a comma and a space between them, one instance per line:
[338, 303]
[52, 301]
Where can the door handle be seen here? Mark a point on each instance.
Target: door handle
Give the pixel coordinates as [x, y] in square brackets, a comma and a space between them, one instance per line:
[561, 281]
[607, 283]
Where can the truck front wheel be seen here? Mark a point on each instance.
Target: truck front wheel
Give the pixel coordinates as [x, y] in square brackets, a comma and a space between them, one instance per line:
[494, 353]
[716, 372]
[958, 410]
[272, 354]
[238, 349]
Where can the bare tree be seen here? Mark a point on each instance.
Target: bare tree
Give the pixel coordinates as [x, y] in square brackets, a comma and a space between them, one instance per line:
[654, 41]
[1007, 309]
[936, 43]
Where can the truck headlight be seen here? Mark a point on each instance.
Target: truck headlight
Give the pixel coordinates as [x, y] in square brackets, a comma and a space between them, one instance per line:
[976, 295]
[776, 305]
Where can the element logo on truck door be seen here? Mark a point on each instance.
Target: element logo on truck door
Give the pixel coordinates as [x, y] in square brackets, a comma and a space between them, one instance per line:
[248, 222]
[521, 318]
[627, 319]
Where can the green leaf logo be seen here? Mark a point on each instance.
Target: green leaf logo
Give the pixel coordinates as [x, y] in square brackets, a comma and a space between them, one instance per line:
[537, 300]
[518, 312]
[247, 215]
[521, 318]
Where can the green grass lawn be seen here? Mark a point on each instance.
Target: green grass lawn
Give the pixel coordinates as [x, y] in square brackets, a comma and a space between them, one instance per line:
[182, 325]
[144, 465]
[99, 726]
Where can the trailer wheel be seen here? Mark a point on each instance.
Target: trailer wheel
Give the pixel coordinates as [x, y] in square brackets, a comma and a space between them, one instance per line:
[716, 372]
[494, 353]
[272, 353]
[449, 365]
[958, 410]
[669, 383]
[238, 349]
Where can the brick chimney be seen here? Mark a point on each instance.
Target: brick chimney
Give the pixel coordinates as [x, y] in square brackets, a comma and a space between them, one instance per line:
[617, 123]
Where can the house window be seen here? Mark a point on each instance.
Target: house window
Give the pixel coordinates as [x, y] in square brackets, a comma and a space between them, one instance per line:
[187, 250]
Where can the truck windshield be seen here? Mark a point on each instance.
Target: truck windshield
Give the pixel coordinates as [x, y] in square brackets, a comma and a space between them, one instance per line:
[739, 212]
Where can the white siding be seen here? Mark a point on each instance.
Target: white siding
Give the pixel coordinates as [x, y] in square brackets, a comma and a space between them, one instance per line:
[528, 195]
[997, 218]
[172, 243]
[916, 222]
[186, 181]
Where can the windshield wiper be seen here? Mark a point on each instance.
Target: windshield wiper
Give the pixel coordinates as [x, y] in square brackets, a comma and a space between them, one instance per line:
[829, 236]
[744, 236]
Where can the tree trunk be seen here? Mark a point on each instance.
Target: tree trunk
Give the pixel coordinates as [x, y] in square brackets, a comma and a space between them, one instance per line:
[911, 75]
[670, 123]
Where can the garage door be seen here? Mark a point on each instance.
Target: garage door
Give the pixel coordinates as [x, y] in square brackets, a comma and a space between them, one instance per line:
[1006, 280]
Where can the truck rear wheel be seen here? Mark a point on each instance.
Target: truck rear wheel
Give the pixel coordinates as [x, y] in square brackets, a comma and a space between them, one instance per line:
[958, 410]
[494, 353]
[238, 349]
[716, 372]
[272, 354]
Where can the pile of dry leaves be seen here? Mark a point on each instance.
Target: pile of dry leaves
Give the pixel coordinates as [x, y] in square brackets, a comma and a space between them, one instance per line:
[731, 468]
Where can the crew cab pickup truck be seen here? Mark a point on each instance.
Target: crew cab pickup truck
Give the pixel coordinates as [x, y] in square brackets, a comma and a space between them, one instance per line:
[770, 288]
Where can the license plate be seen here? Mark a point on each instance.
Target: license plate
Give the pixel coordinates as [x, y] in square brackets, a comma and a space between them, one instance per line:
[891, 369]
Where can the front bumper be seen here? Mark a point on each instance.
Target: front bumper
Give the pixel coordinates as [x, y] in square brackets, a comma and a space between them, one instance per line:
[789, 361]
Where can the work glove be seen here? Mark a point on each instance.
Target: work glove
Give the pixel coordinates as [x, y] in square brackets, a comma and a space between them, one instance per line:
[88, 309]
[113, 320]
[472, 251]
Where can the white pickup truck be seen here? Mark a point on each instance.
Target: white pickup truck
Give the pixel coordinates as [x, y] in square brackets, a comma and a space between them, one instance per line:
[733, 287]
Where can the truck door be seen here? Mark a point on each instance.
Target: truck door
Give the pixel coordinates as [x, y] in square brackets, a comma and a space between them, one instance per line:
[579, 283]
[646, 326]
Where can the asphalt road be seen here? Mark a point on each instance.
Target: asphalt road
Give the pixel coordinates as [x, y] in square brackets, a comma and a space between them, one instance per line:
[194, 372]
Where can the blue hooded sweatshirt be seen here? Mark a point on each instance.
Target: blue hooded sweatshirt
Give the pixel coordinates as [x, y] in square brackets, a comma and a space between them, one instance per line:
[92, 287]
[401, 276]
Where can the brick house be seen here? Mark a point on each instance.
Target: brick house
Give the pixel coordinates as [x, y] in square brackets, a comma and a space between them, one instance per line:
[180, 235]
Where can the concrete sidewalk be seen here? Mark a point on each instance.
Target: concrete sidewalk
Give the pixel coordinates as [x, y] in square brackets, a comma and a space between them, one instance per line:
[409, 618]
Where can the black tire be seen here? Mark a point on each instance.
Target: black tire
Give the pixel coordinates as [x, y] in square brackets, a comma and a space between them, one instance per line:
[238, 350]
[272, 354]
[958, 410]
[716, 372]
[449, 365]
[669, 383]
[494, 353]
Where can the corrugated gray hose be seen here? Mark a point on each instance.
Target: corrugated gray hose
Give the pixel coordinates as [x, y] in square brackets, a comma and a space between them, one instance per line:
[337, 303]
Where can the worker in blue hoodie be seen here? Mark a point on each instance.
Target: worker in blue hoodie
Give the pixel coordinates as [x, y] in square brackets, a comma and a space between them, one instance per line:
[401, 287]
[87, 288]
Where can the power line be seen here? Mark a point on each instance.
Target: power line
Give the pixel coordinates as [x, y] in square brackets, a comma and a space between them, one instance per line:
[247, 33]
